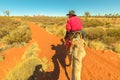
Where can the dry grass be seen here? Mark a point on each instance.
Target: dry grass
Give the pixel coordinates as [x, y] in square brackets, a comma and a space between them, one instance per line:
[31, 51]
[26, 68]
[97, 45]
[117, 48]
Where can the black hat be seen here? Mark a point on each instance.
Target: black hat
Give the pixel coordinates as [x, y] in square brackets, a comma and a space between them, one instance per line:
[71, 12]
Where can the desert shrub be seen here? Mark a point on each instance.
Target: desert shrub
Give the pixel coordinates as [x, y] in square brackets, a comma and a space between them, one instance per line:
[113, 32]
[7, 24]
[19, 35]
[106, 35]
[61, 32]
[31, 51]
[51, 29]
[107, 24]
[8, 21]
[97, 45]
[109, 40]
[112, 36]
[45, 20]
[25, 69]
[92, 23]
[117, 48]
[57, 30]
[94, 33]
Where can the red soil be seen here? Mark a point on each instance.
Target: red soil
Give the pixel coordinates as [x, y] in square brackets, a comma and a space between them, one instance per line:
[12, 58]
[97, 65]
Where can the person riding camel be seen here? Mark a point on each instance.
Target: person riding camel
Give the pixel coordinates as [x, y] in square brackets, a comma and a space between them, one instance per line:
[73, 24]
[75, 44]
[73, 27]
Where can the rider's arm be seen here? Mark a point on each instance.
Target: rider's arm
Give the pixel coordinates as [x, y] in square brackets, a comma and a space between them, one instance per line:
[68, 26]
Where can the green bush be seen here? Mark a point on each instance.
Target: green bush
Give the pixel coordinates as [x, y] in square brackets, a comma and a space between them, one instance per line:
[97, 45]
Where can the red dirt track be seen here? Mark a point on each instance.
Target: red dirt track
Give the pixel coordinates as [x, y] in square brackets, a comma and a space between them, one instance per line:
[97, 64]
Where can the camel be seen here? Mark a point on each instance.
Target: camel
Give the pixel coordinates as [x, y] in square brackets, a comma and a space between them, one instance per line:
[76, 54]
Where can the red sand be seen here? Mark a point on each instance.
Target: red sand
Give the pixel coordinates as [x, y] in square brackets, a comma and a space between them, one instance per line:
[97, 65]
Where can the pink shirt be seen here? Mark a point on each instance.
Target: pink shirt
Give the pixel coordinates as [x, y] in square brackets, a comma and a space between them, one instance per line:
[74, 24]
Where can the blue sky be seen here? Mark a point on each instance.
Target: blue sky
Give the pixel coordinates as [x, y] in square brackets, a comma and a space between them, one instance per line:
[59, 7]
